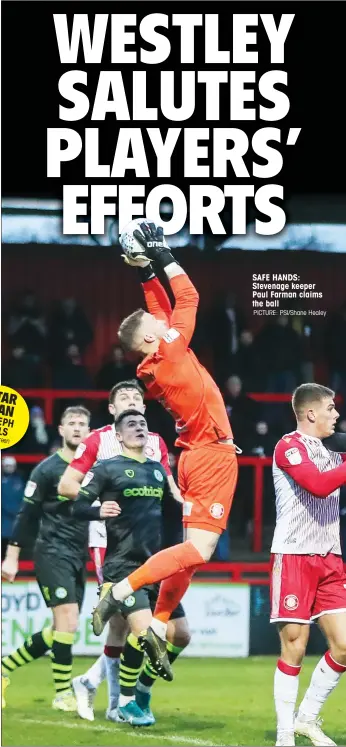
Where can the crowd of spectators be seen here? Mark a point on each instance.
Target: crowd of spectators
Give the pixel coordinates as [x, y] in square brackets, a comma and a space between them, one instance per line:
[48, 349]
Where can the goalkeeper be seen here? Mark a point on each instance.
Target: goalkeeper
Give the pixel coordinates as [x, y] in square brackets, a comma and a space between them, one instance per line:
[208, 464]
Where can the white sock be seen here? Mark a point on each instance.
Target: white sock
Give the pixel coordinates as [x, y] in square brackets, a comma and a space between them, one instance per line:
[112, 667]
[97, 672]
[159, 627]
[125, 699]
[324, 678]
[286, 683]
[122, 590]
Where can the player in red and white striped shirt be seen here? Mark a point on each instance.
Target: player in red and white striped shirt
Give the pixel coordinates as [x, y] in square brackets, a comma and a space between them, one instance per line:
[103, 444]
[308, 581]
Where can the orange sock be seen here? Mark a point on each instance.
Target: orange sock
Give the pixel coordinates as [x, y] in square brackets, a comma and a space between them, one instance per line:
[165, 563]
[172, 591]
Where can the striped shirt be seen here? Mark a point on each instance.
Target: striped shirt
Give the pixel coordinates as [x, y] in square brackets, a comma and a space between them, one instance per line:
[307, 513]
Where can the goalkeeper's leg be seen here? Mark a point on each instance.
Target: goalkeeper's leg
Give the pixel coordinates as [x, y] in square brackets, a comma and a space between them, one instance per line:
[169, 562]
[210, 475]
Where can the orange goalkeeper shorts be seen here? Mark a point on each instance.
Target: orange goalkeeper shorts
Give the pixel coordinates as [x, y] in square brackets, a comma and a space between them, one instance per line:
[207, 481]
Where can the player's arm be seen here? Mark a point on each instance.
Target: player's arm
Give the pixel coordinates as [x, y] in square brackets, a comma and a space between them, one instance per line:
[85, 458]
[167, 490]
[165, 463]
[174, 489]
[93, 487]
[295, 461]
[183, 318]
[157, 301]
[27, 521]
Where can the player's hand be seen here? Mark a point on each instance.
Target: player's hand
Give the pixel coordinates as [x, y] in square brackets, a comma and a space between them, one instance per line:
[9, 569]
[151, 238]
[109, 509]
[177, 495]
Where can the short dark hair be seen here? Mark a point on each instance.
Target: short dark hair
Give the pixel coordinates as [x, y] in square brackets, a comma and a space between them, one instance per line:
[130, 384]
[129, 327]
[75, 410]
[307, 394]
[126, 414]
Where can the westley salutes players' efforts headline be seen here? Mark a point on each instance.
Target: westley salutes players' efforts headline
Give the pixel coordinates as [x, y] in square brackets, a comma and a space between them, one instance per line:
[204, 153]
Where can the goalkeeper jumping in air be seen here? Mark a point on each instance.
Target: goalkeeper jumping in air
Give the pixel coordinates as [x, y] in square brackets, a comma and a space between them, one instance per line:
[208, 464]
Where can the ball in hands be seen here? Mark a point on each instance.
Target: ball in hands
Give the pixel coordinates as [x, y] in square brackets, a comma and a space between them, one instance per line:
[134, 251]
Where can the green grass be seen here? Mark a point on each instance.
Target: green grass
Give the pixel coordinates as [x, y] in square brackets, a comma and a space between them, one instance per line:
[211, 702]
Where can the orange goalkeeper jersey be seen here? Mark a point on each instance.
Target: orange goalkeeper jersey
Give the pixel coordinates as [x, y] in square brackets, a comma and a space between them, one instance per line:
[174, 376]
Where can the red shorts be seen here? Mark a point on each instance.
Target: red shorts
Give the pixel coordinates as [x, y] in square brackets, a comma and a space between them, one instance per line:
[304, 587]
[97, 555]
[207, 480]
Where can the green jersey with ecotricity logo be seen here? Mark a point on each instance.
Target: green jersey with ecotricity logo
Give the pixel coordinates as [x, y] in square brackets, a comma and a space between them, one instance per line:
[139, 487]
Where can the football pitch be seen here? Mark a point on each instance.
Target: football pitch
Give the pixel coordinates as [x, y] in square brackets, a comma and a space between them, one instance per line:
[211, 702]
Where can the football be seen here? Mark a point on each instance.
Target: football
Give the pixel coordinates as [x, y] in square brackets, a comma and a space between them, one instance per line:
[129, 244]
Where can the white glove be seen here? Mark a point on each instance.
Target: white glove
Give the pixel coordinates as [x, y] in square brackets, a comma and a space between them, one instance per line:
[134, 251]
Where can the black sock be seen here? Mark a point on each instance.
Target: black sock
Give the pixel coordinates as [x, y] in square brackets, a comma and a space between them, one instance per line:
[130, 665]
[62, 660]
[149, 674]
[32, 648]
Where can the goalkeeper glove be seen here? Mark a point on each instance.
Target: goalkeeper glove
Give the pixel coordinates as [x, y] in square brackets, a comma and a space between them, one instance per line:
[152, 239]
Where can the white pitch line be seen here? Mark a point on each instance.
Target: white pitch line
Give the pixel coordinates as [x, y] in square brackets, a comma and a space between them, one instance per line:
[135, 732]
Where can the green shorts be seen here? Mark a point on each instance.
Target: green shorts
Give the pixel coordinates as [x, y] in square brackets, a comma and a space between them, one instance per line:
[61, 581]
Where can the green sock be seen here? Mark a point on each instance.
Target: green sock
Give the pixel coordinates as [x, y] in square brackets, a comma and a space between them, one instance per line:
[62, 660]
[32, 648]
[149, 674]
[131, 661]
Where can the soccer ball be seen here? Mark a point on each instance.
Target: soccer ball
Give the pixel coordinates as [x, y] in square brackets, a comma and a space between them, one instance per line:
[129, 244]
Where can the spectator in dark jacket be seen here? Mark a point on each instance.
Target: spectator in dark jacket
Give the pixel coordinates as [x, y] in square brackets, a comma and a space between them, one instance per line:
[242, 410]
[280, 350]
[39, 435]
[27, 327]
[20, 371]
[227, 321]
[116, 369]
[336, 351]
[72, 373]
[12, 487]
[69, 325]
[261, 441]
[246, 364]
